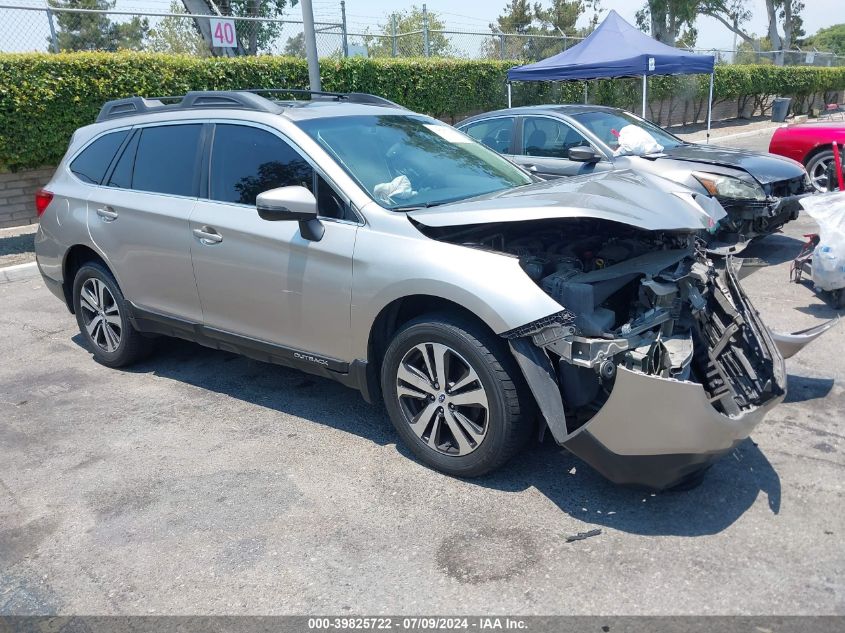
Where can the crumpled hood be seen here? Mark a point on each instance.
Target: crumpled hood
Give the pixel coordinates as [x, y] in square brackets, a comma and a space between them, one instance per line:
[765, 168]
[634, 198]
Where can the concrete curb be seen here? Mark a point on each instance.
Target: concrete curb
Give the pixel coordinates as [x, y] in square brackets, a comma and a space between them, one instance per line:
[19, 272]
[699, 137]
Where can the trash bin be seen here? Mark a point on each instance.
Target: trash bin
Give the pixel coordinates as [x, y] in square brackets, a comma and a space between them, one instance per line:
[780, 108]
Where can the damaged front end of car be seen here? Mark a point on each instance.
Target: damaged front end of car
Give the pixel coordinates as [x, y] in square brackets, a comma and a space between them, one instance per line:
[755, 210]
[656, 365]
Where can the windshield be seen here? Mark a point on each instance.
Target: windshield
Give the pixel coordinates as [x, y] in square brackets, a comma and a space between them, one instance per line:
[409, 161]
[607, 126]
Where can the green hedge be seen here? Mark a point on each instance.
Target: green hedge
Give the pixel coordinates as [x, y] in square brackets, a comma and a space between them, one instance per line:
[44, 98]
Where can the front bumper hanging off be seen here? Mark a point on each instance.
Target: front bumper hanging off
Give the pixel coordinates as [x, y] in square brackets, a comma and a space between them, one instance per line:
[653, 431]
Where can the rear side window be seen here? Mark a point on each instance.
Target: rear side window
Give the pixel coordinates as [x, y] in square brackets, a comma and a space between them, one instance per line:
[166, 159]
[121, 175]
[494, 133]
[246, 161]
[90, 166]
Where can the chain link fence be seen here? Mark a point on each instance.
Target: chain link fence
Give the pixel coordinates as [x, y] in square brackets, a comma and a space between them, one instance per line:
[24, 27]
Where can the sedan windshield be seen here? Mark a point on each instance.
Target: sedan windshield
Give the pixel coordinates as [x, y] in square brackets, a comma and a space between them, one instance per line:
[608, 125]
[408, 161]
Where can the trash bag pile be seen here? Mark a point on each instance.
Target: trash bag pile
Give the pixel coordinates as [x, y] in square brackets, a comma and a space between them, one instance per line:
[829, 256]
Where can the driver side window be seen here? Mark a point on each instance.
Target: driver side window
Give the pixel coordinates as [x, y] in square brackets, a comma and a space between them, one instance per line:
[246, 160]
[549, 138]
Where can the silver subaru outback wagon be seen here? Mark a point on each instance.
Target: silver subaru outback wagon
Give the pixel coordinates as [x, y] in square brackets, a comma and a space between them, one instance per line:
[354, 239]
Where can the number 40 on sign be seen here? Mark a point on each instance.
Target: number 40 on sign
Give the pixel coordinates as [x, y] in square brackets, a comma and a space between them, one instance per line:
[223, 33]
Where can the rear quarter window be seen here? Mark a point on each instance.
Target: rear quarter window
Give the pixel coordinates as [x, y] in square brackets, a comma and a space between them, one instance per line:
[91, 164]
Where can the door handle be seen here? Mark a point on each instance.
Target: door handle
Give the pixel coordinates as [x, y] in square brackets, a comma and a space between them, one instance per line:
[107, 213]
[208, 236]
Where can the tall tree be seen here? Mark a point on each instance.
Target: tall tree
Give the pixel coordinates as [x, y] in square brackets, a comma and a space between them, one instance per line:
[669, 21]
[782, 15]
[96, 31]
[788, 13]
[409, 35]
[733, 14]
[546, 23]
[830, 39]
[177, 35]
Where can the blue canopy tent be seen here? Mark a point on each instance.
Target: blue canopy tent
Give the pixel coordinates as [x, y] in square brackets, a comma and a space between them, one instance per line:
[617, 49]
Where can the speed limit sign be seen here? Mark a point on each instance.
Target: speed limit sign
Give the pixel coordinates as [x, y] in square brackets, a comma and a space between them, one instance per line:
[223, 33]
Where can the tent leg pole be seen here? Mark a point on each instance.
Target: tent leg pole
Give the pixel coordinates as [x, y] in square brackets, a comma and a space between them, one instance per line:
[585, 92]
[509, 94]
[710, 106]
[645, 88]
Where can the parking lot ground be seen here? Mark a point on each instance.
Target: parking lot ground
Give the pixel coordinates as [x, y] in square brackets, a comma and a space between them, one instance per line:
[200, 482]
[17, 245]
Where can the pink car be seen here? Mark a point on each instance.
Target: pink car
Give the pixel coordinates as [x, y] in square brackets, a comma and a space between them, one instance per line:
[812, 145]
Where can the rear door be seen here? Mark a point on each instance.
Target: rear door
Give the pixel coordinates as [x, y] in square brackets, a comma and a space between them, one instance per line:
[262, 279]
[138, 217]
[544, 148]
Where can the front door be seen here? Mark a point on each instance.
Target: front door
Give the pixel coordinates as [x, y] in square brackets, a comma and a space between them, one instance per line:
[545, 146]
[262, 279]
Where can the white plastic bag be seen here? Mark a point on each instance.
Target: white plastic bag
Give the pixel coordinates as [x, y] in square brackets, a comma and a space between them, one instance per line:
[397, 189]
[828, 210]
[635, 140]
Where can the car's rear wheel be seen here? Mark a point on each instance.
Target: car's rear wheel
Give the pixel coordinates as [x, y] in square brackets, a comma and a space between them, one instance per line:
[818, 167]
[455, 395]
[103, 318]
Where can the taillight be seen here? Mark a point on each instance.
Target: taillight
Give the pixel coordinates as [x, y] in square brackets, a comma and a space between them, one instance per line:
[42, 199]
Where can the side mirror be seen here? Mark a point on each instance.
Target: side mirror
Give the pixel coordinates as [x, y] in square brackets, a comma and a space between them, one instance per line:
[291, 204]
[584, 154]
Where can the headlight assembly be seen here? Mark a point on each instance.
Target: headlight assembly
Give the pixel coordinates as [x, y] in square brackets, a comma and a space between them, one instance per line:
[729, 187]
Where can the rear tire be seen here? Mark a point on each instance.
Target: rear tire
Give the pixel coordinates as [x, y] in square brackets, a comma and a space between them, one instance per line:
[455, 395]
[103, 318]
[817, 169]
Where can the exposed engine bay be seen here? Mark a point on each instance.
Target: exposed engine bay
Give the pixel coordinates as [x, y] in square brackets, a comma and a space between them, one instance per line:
[651, 302]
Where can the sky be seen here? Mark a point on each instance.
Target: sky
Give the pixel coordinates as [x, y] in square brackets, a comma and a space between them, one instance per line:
[477, 14]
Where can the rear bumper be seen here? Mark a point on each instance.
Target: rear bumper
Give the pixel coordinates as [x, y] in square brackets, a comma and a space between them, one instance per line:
[54, 286]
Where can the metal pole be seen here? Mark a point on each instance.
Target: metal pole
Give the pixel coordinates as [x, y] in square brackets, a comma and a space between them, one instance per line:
[710, 105]
[426, 49]
[501, 45]
[310, 45]
[585, 92]
[393, 33]
[53, 39]
[645, 90]
[509, 95]
[343, 23]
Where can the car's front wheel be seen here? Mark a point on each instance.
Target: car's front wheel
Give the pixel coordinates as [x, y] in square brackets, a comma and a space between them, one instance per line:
[455, 395]
[103, 318]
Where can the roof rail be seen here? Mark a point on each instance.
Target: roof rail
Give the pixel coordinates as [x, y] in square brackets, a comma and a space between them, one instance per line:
[351, 97]
[193, 100]
[236, 99]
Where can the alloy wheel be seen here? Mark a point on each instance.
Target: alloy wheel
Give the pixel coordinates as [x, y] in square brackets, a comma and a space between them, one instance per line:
[818, 169]
[100, 314]
[442, 399]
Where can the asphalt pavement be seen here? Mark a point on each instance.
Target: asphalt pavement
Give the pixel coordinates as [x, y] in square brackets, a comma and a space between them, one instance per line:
[200, 482]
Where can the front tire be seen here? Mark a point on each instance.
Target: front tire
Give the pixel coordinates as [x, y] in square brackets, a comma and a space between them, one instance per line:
[103, 318]
[455, 395]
